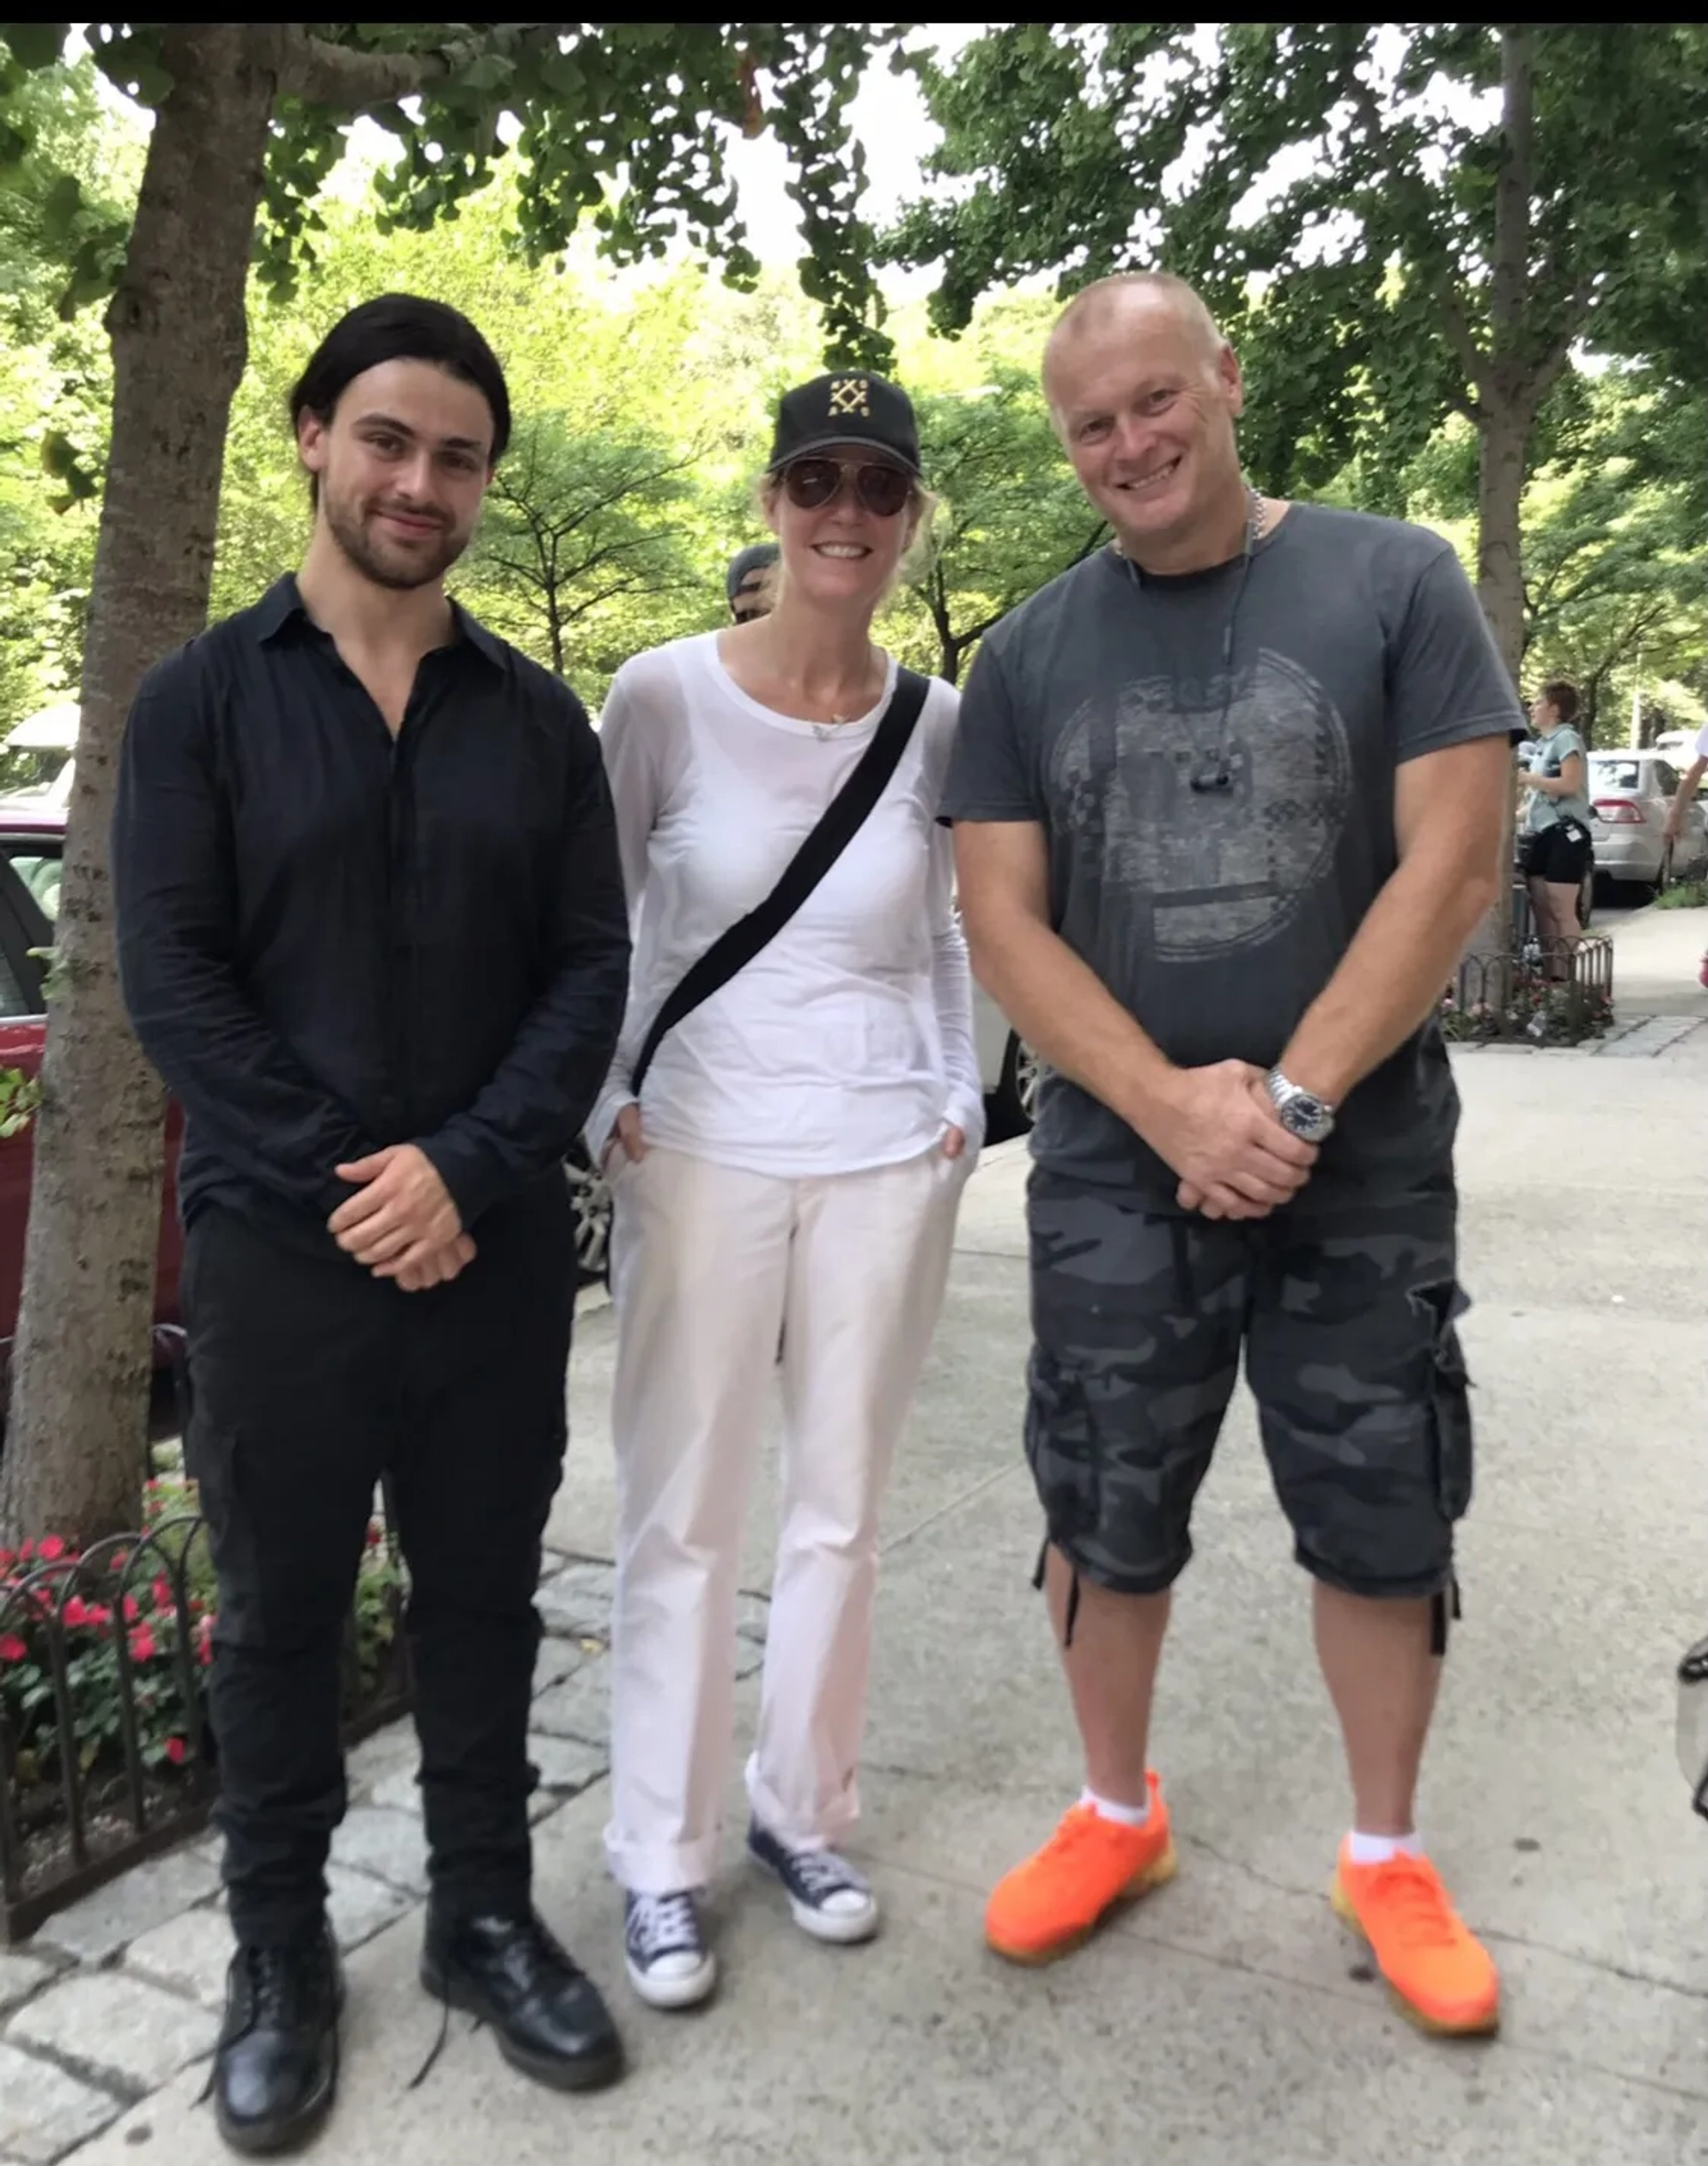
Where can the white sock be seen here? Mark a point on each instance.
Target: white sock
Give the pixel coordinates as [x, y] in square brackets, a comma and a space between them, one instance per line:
[1125, 1815]
[1377, 1850]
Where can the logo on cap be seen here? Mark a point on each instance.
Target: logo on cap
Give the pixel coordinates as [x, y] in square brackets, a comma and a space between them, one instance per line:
[848, 395]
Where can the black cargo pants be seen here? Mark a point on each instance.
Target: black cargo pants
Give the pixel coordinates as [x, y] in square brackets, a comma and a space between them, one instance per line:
[309, 1378]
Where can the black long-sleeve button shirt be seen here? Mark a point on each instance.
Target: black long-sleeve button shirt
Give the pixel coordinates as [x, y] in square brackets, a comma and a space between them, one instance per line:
[331, 939]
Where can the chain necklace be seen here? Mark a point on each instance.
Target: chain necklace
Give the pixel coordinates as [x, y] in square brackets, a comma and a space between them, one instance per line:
[826, 731]
[1214, 776]
[1257, 525]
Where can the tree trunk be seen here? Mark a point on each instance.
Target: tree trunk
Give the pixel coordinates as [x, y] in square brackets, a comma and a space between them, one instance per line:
[1500, 544]
[74, 1454]
[1589, 705]
[1506, 404]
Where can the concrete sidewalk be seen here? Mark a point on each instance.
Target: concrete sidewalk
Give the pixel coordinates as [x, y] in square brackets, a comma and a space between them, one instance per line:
[1657, 955]
[1227, 2020]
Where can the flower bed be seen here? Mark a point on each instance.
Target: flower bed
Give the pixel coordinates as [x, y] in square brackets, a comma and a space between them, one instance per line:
[105, 1748]
[1521, 996]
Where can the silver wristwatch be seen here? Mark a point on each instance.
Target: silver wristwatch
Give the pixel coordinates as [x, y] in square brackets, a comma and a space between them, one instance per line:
[1301, 1113]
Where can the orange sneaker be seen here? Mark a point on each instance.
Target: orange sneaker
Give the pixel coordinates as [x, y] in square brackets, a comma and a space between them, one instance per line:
[1438, 1971]
[1047, 1907]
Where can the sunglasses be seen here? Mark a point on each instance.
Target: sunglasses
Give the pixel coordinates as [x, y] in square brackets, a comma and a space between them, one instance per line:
[811, 484]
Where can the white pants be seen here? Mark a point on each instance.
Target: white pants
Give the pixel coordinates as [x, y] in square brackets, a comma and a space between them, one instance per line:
[708, 1266]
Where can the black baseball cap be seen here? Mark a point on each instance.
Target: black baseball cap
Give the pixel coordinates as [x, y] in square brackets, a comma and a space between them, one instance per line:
[759, 558]
[848, 409]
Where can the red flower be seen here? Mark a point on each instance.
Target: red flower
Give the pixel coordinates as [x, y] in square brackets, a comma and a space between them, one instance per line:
[26, 1550]
[7, 1558]
[175, 1750]
[77, 1611]
[12, 1649]
[142, 1648]
[133, 1609]
[49, 1548]
[375, 1537]
[162, 1593]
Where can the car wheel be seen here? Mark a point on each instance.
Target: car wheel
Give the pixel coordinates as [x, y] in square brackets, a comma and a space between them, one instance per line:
[1016, 1096]
[590, 1197]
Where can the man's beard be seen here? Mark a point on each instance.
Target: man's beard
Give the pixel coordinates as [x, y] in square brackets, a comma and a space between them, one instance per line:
[400, 569]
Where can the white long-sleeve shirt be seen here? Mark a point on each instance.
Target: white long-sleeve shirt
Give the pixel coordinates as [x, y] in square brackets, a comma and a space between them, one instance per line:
[847, 1042]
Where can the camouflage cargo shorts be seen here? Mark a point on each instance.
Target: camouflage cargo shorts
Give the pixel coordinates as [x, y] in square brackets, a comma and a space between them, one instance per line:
[1345, 1310]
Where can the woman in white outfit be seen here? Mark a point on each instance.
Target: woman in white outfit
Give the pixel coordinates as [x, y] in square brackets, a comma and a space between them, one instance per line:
[791, 1172]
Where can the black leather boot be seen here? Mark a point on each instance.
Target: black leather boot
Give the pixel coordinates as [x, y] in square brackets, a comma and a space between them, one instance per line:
[549, 2018]
[276, 2067]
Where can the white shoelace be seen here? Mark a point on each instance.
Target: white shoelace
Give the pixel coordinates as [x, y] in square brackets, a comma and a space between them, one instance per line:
[663, 1925]
[822, 1874]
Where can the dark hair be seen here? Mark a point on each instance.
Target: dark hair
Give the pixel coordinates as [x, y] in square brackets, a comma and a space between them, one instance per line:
[1562, 698]
[400, 327]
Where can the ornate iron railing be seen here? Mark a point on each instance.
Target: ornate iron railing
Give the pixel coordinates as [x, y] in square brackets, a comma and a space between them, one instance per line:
[107, 1755]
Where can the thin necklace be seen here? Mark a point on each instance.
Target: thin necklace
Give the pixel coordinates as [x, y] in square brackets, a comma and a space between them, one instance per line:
[824, 731]
[1257, 525]
[1214, 776]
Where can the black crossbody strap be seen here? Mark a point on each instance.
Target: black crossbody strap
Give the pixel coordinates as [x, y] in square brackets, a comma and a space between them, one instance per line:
[840, 822]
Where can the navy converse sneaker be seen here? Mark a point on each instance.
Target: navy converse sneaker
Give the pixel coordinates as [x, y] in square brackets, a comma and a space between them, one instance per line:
[669, 1963]
[826, 1897]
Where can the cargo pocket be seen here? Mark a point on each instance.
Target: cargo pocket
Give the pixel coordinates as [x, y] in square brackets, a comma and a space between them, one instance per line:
[1060, 1449]
[1449, 1398]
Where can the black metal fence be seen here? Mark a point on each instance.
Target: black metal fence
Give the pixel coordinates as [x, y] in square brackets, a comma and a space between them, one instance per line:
[1549, 996]
[106, 1756]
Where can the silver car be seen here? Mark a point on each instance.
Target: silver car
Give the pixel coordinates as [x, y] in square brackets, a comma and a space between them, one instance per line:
[1630, 793]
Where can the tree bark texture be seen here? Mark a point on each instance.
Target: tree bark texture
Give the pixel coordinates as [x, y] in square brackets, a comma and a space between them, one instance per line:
[74, 1453]
[1506, 400]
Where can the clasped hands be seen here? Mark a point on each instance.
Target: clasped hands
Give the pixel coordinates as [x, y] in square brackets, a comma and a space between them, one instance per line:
[1221, 1133]
[401, 1223]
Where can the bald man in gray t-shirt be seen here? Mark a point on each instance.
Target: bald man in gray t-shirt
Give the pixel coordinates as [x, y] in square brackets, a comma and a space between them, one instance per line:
[1228, 800]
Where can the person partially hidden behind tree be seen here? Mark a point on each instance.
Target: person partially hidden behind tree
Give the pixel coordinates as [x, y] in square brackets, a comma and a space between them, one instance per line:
[1228, 798]
[372, 932]
[750, 583]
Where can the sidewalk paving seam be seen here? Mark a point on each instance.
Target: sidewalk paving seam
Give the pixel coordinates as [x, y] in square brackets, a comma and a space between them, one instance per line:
[955, 1503]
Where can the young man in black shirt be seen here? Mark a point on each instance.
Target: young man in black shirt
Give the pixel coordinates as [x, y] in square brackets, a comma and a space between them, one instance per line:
[372, 933]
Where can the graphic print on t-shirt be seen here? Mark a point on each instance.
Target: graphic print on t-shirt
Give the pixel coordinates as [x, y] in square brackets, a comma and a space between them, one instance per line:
[1219, 869]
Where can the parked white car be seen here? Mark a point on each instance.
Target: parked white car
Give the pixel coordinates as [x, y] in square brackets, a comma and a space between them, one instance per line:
[1630, 795]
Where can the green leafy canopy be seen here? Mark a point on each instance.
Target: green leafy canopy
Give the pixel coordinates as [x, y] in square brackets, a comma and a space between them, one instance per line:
[628, 123]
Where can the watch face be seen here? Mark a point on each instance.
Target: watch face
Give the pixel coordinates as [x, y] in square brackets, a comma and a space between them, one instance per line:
[1308, 1117]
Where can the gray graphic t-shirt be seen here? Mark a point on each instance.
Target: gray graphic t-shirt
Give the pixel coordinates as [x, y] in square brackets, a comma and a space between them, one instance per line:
[1548, 755]
[1216, 916]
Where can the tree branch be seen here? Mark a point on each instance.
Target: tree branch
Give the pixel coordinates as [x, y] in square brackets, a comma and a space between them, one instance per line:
[349, 81]
[321, 73]
[1556, 355]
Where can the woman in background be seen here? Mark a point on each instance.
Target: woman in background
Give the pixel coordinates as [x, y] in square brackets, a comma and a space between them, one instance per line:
[1555, 848]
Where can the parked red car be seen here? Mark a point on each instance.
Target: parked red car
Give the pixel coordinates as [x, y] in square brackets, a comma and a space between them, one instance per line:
[32, 843]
